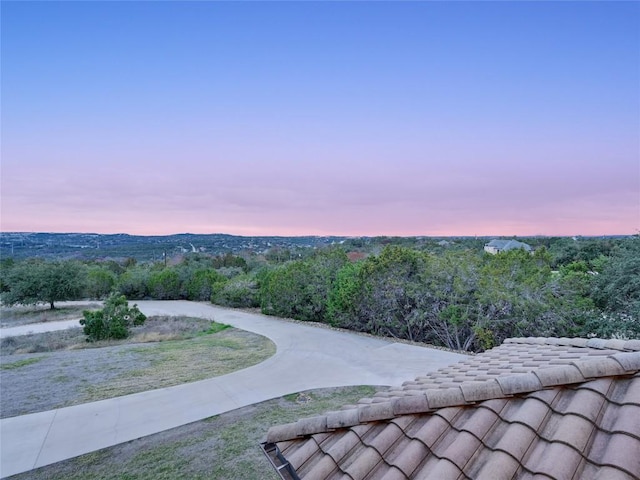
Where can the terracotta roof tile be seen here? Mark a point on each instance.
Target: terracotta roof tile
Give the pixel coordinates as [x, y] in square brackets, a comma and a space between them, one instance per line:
[514, 439]
[323, 469]
[461, 449]
[359, 466]
[342, 418]
[440, 470]
[374, 412]
[553, 376]
[521, 383]
[474, 392]
[584, 402]
[531, 408]
[625, 420]
[410, 457]
[628, 392]
[621, 451]
[408, 405]
[531, 412]
[556, 460]
[478, 421]
[438, 398]
[596, 343]
[345, 444]
[600, 386]
[573, 430]
[602, 367]
[632, 345]
[606, 473]
[432, 430]
[281, 433]
[385, 439]
[307, 426]
[629, 360]
[304, 452]
[494, 465]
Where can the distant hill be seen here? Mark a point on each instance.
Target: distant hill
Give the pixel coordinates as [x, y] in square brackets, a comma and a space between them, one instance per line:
[119, 246]
[89, 246]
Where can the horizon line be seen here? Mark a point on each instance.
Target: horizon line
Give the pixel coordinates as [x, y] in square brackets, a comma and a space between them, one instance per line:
[539, 235]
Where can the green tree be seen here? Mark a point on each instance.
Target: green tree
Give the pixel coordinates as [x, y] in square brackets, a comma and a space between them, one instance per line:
[134, 283]
[391, 284]
[165, 284]
[238, 292]
[199, 284]
[113, 321]
[100, 281]
[299, 289]
[284, 292]
[344, 296]
[616, 291]
[37, 281]
[447, 307]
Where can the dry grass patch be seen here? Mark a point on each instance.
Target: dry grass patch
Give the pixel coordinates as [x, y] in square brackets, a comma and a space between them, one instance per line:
[155, 329]
[183, 361]
[20, 363]
[224, 447]
[27, 314]
[164, 352]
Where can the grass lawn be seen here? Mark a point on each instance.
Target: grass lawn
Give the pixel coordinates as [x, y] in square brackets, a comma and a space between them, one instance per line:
[222, 447]
[50, 370]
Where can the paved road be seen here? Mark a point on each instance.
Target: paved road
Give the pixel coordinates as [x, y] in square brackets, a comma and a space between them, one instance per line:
[307, 357]
[37, 328]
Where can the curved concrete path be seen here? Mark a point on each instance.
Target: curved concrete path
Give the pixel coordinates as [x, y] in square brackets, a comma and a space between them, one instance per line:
[37, 328]
[307, 357]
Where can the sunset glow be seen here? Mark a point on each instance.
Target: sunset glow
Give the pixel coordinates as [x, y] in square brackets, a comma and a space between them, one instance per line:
[314, 118]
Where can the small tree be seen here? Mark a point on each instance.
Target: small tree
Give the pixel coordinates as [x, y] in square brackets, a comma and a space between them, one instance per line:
[113, 321]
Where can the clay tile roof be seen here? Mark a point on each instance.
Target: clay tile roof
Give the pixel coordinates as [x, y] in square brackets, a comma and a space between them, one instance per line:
[558, 408]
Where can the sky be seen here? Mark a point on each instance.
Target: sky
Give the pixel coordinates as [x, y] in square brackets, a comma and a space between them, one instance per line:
[320, 118]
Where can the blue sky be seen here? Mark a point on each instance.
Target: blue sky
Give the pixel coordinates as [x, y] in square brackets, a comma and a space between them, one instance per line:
[354, 118]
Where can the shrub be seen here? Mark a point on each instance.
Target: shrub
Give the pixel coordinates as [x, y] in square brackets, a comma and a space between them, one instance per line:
[134, 282]
[99, 282]
[199, 284]
[165, 284]
[113, 321]
[239, 292]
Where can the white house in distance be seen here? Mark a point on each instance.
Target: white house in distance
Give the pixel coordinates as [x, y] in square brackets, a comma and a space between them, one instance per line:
[497, 246]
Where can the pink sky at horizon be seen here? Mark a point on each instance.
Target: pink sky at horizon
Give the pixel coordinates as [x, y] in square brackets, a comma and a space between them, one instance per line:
[346, 118]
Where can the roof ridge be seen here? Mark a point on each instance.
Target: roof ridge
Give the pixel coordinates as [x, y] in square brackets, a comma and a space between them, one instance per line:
[467, 393]
[595, 343]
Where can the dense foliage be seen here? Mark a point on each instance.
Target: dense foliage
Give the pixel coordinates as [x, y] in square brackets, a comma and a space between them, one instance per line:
[449, 293]
[466, 299]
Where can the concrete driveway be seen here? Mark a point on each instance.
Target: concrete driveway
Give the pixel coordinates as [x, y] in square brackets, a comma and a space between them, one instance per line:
[307, 357]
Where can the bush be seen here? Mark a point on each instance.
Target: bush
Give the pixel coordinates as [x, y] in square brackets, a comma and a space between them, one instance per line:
[134, 283]
[113, 321]
[199, 284]
[165, 284]
[239, 292]
[99, 282]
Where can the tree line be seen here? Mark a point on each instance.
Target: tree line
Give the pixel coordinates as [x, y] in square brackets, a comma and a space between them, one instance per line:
[460, 298]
